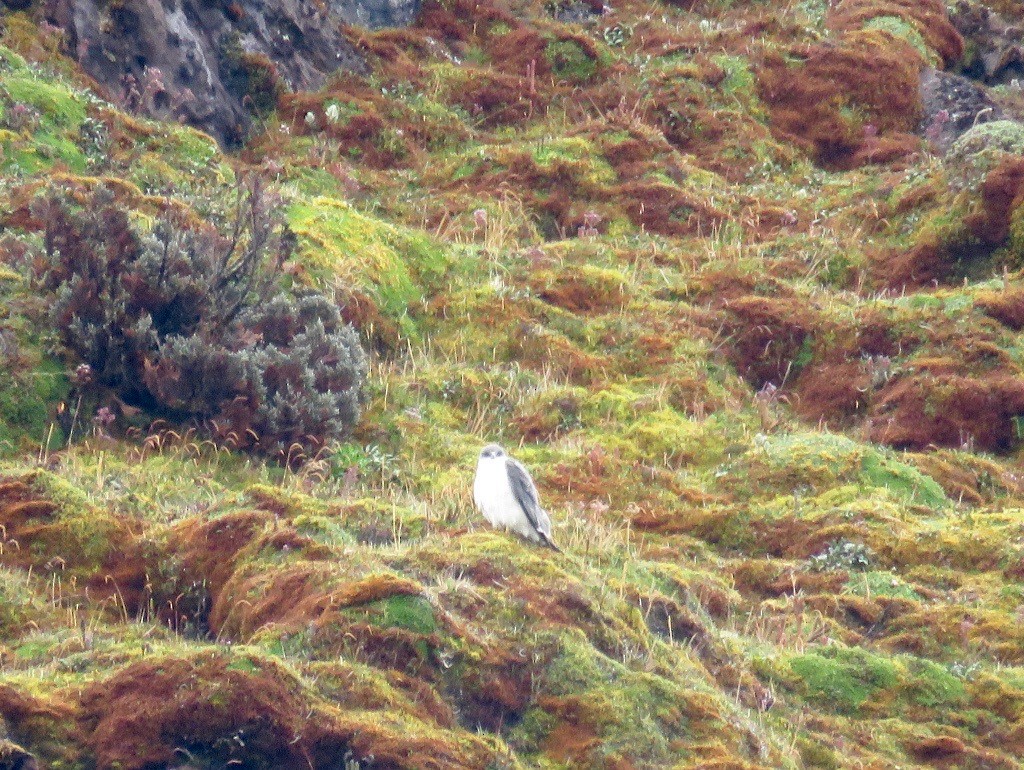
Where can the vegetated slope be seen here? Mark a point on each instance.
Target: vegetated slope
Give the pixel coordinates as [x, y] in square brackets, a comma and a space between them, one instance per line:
[701, 264]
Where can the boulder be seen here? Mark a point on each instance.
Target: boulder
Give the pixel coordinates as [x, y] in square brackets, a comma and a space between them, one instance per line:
[951, 106]
[216, 65]
[995, 43]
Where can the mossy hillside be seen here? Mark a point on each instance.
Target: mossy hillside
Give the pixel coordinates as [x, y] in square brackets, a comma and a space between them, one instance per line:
[752, 577]
[348, 249]
[28, 399]
[43, 119]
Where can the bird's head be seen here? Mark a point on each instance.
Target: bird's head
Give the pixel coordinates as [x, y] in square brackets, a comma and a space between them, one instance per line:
[491, 452]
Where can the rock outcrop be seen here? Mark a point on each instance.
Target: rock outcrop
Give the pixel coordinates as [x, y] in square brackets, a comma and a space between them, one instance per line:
[216, 65]
[995, 50]
[952, 105]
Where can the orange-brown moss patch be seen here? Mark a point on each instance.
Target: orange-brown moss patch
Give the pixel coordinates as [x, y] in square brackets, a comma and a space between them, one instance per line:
[886, 150]
[1006, 306]
[941, 748]
[930, 17]
[770, 339]
[844, 93]
[557, 354]
[33, 721]
[210, 549]
[925, 263]
[1001, 193]
[237, 711]
[498, 99]
[768, 578]
[832, 393]
[294, 597]
[942, 257]
[139, 717]
[667, 210]
[968, 478]
[574, 292]
[925, 409]
[105, 562]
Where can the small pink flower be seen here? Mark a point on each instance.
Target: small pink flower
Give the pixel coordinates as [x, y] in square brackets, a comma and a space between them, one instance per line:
[480, 219]
[768, 394]
[104, 417]
[83, 374]
[934, 130]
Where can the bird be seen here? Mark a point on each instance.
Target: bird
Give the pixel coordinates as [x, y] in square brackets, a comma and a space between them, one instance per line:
[507, 496]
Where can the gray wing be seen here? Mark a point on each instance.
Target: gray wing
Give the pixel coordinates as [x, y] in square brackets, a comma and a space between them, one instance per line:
[526, 495]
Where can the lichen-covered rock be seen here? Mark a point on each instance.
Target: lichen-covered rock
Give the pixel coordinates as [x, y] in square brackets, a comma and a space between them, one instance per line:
[951, 106]
[982, 148]
[994, 52]
[216, 65]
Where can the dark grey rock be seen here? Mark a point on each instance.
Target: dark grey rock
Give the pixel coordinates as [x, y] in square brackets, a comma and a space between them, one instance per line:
[575, 11]
[376, 13]
[994, 53]
[14, 757]
[208, 63]
[952, 106]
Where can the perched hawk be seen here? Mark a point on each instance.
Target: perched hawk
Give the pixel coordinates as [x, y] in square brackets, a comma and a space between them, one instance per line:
[507, 497]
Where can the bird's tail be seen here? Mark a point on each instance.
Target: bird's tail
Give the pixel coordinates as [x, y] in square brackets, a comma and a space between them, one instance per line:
[547, 541]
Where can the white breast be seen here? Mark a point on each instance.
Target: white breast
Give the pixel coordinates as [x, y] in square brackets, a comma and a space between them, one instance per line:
[493, 496]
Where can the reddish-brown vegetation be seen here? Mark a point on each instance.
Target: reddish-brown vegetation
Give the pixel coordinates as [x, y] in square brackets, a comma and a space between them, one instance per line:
[848, 101]
[1005, 306]
[832, 392]
[944, 408]
[1001, 193]
[930, 17]
[944, 256]
[91, 551]
[237, 711]
[770, 338]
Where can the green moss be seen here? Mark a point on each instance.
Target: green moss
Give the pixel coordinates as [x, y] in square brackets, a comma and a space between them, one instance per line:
[1016, 239]
[933, 686]
[830, 458]
[555, 154]
[531, 731]
[878, 583]
[603, 365]
[34, 649]
[413, 613]
[324, 529]
[9, 60]
[392, 264]
[58, 106]
[904, 30]
[738, 75]
[244, 663]
[842, 678]
[621, 704]
[908, 484]
[28, 402]
[570, 61]
[670, 437]
[816, 754]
